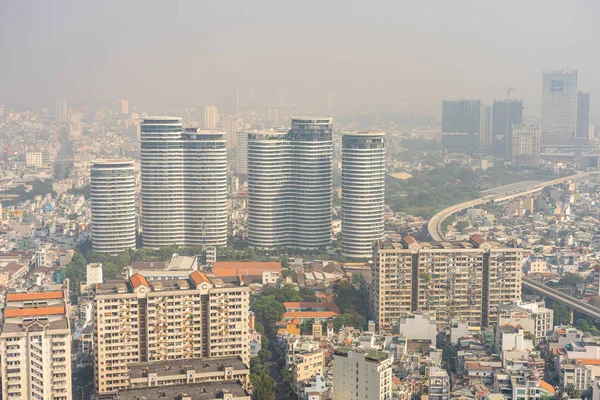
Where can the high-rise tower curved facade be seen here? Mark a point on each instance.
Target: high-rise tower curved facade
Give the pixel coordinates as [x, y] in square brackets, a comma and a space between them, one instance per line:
[113, 206]
[184, 184]
[363, 192]
[290, 183]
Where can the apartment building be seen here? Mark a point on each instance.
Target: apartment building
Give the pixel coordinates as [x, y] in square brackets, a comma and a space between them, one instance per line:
[137, 320]
[451, 280]
[438, 384]
[307, 364]
[358, 375]
[35, 346]
[194, 391]
[186, 372]
[531, 317]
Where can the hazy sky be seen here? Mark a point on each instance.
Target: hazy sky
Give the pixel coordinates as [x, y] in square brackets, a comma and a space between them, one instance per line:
[396, 55]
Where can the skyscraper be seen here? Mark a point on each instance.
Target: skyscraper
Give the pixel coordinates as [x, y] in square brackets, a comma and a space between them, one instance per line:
[559, 105]
[363, 192]
[506, 114]
[583, 115]
[184, 184]
[461, 122]
[485, 127]
[211, 117]
[526, 145]
[241, 153]
[290, 185]
[230, 125]
[113, 206]
[62, 111]
[273, 117]
[35, 346]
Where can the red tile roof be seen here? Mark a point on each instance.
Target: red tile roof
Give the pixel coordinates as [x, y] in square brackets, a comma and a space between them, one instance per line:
[33, 296]
[237, 268]
[138, 280]
[198, 277]
[34, 312]
[546, 386]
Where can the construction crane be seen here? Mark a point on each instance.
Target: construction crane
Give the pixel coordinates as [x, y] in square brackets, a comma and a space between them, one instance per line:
[508, 89]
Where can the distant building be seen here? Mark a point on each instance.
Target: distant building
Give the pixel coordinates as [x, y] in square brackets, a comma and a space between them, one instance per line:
[273, 117]
[363, 192]
[124, 107]
[34, 159]
[506, 114]
[35, 346]
[418, 327]
[461, 122]
[486, 127]
[526, 146]
[62, 111]
[230, 125]
[359, 375]
[241, 153]
[211, 117]
[534, 317]
[452, 280]
[583, 115]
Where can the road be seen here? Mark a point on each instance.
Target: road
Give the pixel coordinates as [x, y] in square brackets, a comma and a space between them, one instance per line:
[569, 301]
[502, 193]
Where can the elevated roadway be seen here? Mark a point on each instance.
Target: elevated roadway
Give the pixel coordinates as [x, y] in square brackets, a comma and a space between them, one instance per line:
[503, 193]
[569, 301]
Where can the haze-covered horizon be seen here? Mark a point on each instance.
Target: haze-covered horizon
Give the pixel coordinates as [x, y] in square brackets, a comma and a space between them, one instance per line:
[311, 55]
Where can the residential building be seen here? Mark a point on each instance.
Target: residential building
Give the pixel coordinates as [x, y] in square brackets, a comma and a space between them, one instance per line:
[241, 153]
[229, 390]
[211, 117]
[188, 371]
[273, 117]
[438, 384]
[452, 280]
[62, 111]
[577, 373]
[506, 114]
[422, 327]
[34, 159]
[461, 122]
[533, 317]
[583, 115]
[35, 346]
[363, 192]
[114, 218]
[135, 320]
[307, 365]
[93, 274]
[184, 184]
[290, 185]
[526, 146]
[358, 375]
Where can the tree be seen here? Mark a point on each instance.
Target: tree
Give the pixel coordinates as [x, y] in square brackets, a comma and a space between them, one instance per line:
[76, 271]
[562, 316]
[571, 280]
[355, 278]
[595, 301]
[308, 295]
[582, 324]
[268, 311]
[262, 386]
[265, 355]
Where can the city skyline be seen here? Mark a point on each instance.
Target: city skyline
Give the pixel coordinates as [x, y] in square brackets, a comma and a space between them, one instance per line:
[542, 43]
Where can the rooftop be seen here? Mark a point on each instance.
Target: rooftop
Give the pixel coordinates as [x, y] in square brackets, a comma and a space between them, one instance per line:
[161, 368]
[195, 391]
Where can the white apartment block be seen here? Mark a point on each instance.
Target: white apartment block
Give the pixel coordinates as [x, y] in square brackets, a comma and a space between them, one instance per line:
[137, 320]
[361, 376]
[34, 159]
[526, 141]
[531, 317]
[438, 384]
[465, 280]
[35, 346]
[241, 153]
[93, 274]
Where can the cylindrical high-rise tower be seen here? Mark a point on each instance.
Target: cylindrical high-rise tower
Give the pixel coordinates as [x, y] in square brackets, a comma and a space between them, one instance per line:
[363, 192]
[270, 195]
[184, 184]
[312, 177]
[113, 206]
